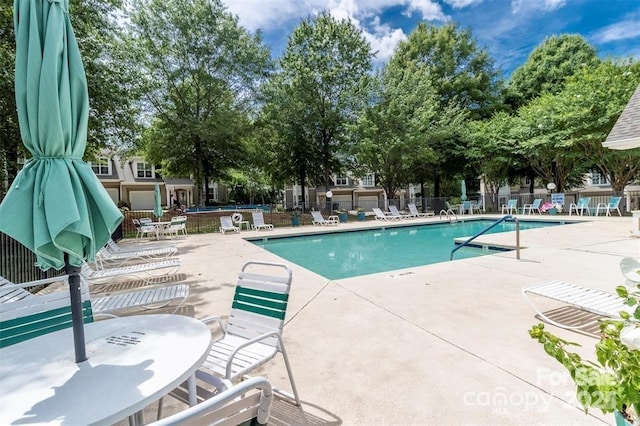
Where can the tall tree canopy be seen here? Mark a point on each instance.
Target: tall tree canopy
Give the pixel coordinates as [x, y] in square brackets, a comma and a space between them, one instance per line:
[547, 67]
[463, 77]
[200, 70]
[112, 98]
[317, 95]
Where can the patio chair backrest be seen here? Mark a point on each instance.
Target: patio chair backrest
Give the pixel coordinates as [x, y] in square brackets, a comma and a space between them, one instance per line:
[536, 203]
[583, 202]
[394, 210]
[258, 217]
[42, 314]
[512, 203]
[614, 201]
[226, 222]
[260, 301]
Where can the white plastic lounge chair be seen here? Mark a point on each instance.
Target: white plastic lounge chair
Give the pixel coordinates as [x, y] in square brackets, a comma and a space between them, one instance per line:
[140, 271]
[114, 247]
[533, 207]
[226, 224]
[232, 405]
[630, 268]
[413, 211]
[381, 216]
[594, 301]
[35, 315]
[613, 205]
[511, 207]
[253, 333]
[581, 207]
[396, 213]
[107, 258]
[11, 292]
[258, 221]
[318, 219]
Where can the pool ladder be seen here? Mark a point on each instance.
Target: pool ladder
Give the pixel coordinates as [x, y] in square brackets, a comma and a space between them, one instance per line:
[450, 214]
[496, 223]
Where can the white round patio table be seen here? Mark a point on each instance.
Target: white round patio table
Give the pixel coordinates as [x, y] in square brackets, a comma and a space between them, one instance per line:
[132, 362]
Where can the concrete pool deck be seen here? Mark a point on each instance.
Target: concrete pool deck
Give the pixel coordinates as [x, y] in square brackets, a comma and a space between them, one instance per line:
[439, 344]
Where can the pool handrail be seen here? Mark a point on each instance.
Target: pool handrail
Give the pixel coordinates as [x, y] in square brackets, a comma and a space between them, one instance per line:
[497, 222]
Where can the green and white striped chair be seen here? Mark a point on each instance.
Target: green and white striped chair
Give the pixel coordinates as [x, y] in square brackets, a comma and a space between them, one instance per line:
[26, 315]
[253, 334]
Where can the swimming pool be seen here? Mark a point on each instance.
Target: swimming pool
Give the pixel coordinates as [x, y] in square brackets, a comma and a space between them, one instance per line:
[338, 255]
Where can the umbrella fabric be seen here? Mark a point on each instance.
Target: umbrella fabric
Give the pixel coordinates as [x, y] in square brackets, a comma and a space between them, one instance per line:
[463, 190]
[157, 208]
[56, 204]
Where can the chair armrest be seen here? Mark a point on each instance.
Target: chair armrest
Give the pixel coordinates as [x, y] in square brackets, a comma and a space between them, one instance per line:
[42, 281]
[216, 319]
[248, 343]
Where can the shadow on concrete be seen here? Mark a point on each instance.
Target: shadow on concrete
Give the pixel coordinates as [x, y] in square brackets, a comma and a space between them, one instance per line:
[284, 413]
[586, 322]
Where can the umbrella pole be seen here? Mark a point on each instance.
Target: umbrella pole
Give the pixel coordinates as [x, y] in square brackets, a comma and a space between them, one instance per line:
[76, 309]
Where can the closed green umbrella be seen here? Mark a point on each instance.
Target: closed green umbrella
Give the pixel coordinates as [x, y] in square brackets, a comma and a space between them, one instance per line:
[56, 206]
[157, 208]
[463, 190]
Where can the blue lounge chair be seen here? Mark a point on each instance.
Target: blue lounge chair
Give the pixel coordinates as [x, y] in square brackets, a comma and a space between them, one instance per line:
[614, 204]
[511, 207]
[533, 207]
[581, 207]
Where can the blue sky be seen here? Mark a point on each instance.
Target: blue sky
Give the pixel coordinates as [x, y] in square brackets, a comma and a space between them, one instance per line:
[509, 29]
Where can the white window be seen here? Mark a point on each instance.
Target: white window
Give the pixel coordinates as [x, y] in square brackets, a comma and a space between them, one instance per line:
[369, 180]
[145, 170]
[102, 166]
[598, 179]
[213, 194]
[341, 180]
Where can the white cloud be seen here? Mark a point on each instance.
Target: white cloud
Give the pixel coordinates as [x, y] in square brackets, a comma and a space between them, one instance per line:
[383, 39]
[430, 10]
[364, 14]
[619, 31]
[261, 14]
[459, 4]
[518, 6]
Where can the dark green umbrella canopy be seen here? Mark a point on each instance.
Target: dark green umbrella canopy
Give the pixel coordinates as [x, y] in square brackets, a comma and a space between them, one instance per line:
[56, 204]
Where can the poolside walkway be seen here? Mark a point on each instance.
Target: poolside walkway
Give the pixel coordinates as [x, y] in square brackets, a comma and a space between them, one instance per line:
[440, 344]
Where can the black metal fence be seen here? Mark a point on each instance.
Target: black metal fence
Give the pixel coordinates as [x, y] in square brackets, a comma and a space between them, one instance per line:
[17, 263]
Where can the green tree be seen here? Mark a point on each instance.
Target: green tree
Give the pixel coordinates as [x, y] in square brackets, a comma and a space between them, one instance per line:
[589, 105]
[464, 78]
[112, 118]
[318, 94]
[403, 110]
[492, 147]
[113, 86]
[9, 131]
[547, 67]
[200, 71]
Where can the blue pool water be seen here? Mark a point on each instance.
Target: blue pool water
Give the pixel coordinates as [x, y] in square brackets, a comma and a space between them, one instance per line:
[338, 255]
